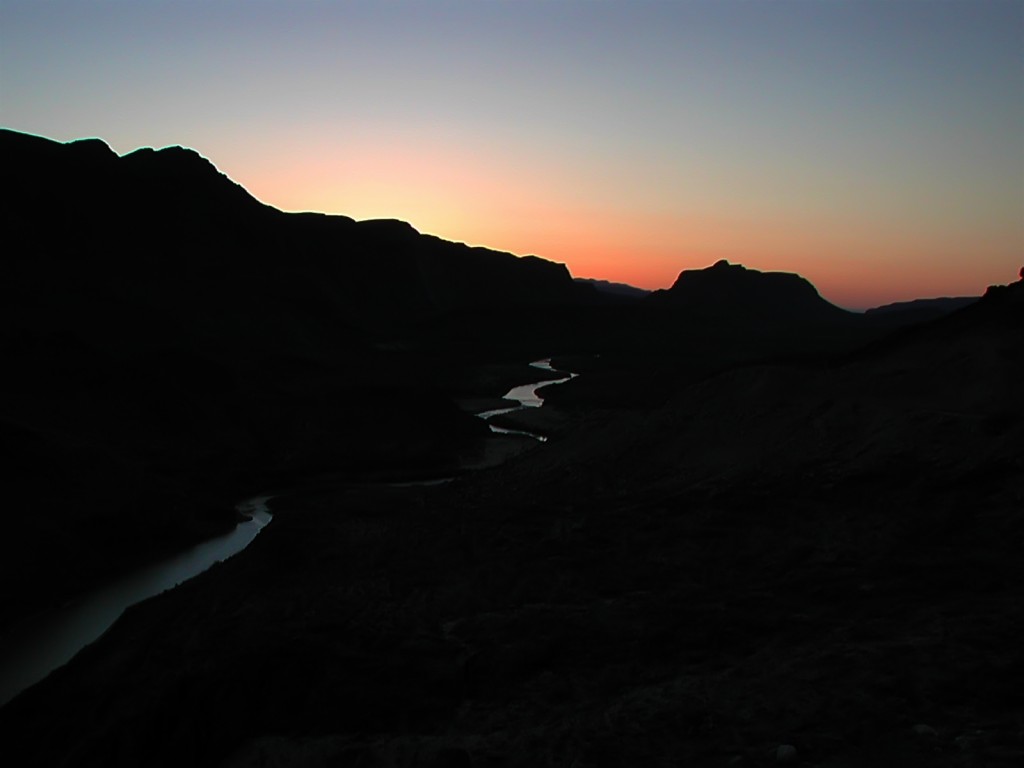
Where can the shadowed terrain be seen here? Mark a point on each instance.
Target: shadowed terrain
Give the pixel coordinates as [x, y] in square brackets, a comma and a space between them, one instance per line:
[171, 344]
[763, 529]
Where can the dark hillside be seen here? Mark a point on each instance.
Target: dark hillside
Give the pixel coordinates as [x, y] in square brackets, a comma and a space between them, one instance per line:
[171, 343]
[920, 310]
[823, 559]
[759, 520]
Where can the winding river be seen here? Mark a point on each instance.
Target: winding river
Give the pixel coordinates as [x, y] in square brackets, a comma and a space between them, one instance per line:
[37, 646]
[527, 397]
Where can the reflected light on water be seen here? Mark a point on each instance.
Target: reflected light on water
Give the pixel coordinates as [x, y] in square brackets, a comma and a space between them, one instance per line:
[31, 650]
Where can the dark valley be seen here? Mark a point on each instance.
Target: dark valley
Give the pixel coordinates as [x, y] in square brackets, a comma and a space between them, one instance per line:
[761, 529]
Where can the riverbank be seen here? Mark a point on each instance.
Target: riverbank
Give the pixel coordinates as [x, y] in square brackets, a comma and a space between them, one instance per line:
[814, 565]
[481, 622]
[98, 495]
[35, 646]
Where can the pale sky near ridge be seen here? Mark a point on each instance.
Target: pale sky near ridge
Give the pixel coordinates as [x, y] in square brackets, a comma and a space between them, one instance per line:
[877, 148]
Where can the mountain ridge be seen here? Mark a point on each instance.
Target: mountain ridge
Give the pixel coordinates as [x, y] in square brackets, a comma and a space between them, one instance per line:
[726, 289]
[759, 520]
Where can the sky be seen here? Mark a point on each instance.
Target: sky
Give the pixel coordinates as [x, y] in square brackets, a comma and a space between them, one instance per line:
[877, 148]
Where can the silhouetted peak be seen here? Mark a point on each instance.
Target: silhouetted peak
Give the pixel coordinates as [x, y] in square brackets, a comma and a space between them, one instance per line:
[393, 228]
[1011, 295]
[183, 175]
[176, 161]
[730, 290]
[92, 149]
[534, 259]
[723, 273]
[35, 158]
[554, 268]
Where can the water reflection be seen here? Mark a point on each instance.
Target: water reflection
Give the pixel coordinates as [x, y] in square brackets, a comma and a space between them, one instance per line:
[33, 649]
[527, 397]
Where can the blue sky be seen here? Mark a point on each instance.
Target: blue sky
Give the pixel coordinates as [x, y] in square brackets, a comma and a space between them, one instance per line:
[875, 147]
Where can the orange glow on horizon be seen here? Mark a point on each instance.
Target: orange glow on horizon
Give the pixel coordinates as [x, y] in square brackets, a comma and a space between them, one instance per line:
[481, 197]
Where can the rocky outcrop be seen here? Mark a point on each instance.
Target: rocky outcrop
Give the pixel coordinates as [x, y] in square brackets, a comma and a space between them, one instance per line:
[733, 292]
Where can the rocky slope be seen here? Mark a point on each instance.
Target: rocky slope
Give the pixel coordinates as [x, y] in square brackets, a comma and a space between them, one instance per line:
[808, 564]
[748, 529]
[921, 310]
[171, 344]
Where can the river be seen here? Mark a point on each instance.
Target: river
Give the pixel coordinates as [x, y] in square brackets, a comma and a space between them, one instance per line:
[43, 643]
[527, 397]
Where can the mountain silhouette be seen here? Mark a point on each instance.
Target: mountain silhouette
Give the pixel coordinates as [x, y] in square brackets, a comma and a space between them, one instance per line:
[617, 290]
[759, 520]
[169, 340]
[622, 593]
[918, 310]
[172, 205]
[732, 291]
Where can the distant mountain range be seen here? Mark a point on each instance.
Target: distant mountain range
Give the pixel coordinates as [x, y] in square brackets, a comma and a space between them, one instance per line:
[920, 310]
[828, 550]
[748, 491]
[943, 305]
[621, 290]
[731, 290]
[171, 211]
[719, 289]
[169, 340]
[172, 207]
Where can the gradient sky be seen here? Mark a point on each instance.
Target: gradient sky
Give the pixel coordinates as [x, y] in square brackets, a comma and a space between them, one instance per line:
[875, 147]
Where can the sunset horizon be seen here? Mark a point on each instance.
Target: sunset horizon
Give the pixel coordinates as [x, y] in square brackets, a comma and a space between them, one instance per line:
[862, 284]
[463, 383]
[875, 148]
